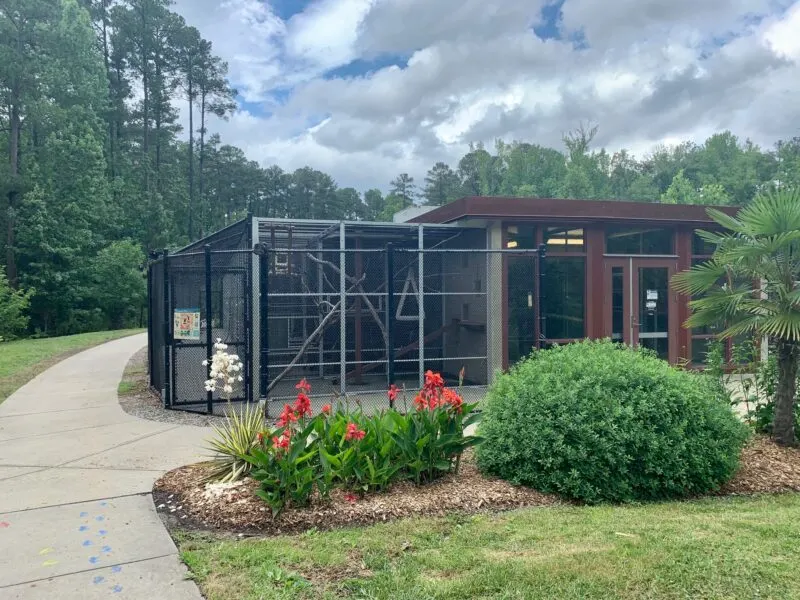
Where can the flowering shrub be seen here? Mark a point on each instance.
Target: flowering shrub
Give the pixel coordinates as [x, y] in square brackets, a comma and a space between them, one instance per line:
[360, 452]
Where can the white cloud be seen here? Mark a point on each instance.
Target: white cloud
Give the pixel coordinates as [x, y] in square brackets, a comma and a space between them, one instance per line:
[652, 71]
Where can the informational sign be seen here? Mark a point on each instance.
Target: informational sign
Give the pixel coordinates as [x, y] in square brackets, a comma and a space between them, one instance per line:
[187, 324]
[652, 294]
[651, 305]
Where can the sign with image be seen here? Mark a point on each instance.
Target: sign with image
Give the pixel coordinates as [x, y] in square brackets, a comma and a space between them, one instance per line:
[187, 324]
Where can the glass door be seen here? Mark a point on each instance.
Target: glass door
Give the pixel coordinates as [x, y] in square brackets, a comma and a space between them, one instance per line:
[640, 308]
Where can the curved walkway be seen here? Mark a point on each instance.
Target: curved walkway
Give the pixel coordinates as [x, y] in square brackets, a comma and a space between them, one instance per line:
[76, 516]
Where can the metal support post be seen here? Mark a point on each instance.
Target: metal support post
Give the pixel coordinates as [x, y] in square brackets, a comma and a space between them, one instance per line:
[166, 390]
[342, 311]
[209, 328]
[389, 313]
[421, 303]
[263, 309]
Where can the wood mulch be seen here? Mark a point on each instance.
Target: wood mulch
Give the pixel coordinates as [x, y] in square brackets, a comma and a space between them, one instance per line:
[185, 500]
[766, 468]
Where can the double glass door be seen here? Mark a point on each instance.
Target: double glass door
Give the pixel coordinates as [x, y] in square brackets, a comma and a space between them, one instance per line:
[640, 307]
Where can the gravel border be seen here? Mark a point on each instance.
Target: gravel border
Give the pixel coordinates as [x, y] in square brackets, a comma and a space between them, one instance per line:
[140, 401]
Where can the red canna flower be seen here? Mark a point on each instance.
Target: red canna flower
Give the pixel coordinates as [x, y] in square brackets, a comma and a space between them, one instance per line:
[392, 393]
[433, 380]
[351, 498]
[326, 409]
[288, 416]
[282, 442]
[302, 405]
[354, 433]
[420, 402]
[303, 386]
[452, 398]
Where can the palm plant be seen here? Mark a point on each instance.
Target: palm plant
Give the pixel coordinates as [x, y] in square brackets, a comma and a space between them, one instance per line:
[751, 285]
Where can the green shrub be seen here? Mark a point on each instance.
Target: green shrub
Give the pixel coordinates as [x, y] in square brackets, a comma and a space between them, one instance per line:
[598, 422]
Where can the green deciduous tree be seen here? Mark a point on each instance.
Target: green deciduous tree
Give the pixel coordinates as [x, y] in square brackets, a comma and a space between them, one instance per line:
[118, 282]
[14, 306]
[761, 244]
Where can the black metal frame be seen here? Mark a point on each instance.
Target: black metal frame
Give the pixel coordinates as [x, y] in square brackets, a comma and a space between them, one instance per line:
[172, 384]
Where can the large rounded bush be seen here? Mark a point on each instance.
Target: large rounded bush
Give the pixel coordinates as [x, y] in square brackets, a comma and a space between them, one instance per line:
[599, 422]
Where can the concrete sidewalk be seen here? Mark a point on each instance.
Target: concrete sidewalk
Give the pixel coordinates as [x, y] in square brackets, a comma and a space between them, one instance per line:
[76, 517]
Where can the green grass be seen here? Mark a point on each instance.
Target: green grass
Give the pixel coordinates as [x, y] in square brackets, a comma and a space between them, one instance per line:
[134, 379]
[717, 548]
[22, 360]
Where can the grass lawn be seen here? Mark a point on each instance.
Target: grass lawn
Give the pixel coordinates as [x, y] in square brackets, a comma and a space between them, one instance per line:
[717, 548]
[23, 360]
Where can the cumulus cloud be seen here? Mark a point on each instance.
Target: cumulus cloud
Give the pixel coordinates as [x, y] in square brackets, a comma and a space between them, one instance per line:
[647, 71]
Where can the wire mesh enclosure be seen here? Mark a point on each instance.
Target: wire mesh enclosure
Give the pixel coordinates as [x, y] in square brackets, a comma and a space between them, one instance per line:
[350, 307]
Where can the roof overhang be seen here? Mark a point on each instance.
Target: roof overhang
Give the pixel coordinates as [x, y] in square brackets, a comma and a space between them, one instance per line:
[563, 210]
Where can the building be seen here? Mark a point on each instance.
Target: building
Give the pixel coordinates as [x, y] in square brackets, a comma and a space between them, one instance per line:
[607, 272]
[465, 289]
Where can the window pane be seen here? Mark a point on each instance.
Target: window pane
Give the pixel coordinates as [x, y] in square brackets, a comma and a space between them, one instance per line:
[617, 304]
[638, 241]
[521, 309]
[563, 297]
[521, 237]
[701, 247]
[699, 350]
[564, 239]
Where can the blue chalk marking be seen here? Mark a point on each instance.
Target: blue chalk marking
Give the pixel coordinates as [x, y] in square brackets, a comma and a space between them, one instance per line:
[104, 504]
[84, 514]
[116, 569]
[100, 518]
[83, 528]
[98, 579]
[106, 549]
[94, 559]
[102, 532]
[116, 589]
[87, 543]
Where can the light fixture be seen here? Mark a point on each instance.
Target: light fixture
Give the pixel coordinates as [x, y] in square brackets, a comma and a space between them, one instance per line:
[512, 244]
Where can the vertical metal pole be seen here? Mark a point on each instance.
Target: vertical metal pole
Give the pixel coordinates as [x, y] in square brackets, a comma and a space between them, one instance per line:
[320, 289]
[540, 258]
[209, 328]
[150, 321]
[263, 309]
[342, 311]
[421, 303]
[390, 314]
[248, 327]
[166, 390]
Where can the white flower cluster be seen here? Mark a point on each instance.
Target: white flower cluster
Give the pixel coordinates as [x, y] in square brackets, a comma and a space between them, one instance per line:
[226, 369]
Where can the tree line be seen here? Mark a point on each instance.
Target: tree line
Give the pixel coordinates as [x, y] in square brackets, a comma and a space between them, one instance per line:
[97, 170]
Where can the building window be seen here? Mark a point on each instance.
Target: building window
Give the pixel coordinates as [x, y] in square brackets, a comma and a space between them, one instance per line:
[563, 297]
[521, 237]
[564, 239]
[642, 240]
[701, 247]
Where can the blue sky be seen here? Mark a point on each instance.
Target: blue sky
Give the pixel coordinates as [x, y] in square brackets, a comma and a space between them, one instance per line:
[365, 89]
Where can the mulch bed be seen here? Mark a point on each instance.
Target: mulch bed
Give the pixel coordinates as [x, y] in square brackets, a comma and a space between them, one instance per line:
[184, 499]
[766, 468]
